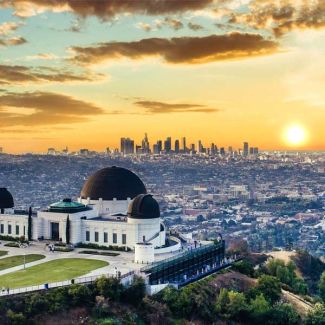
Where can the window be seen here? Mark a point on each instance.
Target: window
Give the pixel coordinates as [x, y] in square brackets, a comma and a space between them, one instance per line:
[114, 238]
[2, 228]
[17, 230]
[9, 229]
[124, 239]
[24, 230]
[105, 237]
[96, 236]
[87, 235]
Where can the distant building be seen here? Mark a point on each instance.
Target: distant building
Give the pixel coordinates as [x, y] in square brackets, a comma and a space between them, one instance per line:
[145, 144]
[127, 146]
[177, 146]
[184, 144]
[84, 152]
[200, 146]
[51, 151]
[245, 149]
[168, 144]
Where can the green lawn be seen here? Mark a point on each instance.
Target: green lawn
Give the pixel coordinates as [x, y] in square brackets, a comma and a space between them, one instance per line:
[3, 253]
[11, 261]
[53, 271]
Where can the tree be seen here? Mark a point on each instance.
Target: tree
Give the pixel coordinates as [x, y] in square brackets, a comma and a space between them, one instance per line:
[270, 287]
[16, 318]
[237, 305]
[231, 304]
[259, 307]
[135, 292]
[80, 294]
[284, 314]
[322, 286]
[67, 231]
[316, 316]
[109, 288]
[245, 267]
[30, 224]
[222, 301]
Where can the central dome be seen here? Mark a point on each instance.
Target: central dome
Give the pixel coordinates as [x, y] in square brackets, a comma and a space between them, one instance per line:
[112, 182]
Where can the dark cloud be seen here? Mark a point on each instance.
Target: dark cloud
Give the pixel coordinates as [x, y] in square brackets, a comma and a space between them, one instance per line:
[173, 23]
[284, 16]
[180, 50]
[154, 107]
[106, 9]
[10, 74]
[194, 26]
[43, 108]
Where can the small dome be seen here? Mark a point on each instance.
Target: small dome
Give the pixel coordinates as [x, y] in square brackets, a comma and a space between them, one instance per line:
[112, 182]
[67, 206]
[144, 206]
[6, 199]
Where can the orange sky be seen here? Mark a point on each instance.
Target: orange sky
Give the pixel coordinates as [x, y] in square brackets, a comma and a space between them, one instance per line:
[76, 76]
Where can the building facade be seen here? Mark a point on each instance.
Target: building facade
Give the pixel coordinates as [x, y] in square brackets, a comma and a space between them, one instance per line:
[113, 209]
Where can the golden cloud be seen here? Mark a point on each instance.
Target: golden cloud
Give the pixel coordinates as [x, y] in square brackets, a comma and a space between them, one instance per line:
[190, 50]
[43, 108]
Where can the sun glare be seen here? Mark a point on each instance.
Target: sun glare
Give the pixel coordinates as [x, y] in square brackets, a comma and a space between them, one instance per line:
[295, 135]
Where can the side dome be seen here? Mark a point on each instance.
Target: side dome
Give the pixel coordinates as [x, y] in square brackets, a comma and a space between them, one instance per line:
[6, 199]
[144, 206]
[112, 182]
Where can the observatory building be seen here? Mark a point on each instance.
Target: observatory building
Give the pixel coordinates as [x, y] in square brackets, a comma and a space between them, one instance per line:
[114, 209]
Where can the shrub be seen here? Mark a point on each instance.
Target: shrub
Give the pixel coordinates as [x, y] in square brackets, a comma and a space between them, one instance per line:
[270, 287]
[16, 318]
[109, 288]
[12, 244]
[322, 286]
[135, 292]
[99, 253]
[63, 249]
[80, 294]
[103, 247]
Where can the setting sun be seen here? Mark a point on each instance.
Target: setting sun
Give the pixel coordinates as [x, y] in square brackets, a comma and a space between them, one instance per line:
[295, 135]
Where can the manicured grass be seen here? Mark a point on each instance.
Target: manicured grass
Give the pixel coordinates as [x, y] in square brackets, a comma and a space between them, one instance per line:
[3, 253]
[52, 271]
[11, 261]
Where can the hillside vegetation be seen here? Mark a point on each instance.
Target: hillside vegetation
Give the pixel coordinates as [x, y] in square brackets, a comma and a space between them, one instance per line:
[270, 293]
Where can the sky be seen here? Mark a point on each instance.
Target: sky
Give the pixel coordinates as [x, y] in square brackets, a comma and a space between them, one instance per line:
[84, 73]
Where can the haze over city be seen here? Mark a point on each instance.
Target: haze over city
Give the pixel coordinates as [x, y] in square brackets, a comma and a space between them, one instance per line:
[86, 73]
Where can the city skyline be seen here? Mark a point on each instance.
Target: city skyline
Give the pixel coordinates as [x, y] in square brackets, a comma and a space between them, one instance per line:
[84, 74]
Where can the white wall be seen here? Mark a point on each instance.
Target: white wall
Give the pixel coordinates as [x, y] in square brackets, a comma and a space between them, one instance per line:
[14, 220]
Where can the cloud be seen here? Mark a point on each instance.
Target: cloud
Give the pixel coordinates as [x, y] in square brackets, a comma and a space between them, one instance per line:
[42, 56]
[144, 26]
[12, 74]
[104, 9]
[191, 50]
[173, 23]
[154, 107]
[43, 108]
[284, 16]
[7, 28]
[194, 26]
[12, 41]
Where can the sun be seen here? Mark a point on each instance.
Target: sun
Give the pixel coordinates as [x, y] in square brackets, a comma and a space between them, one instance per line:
[295, 135]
